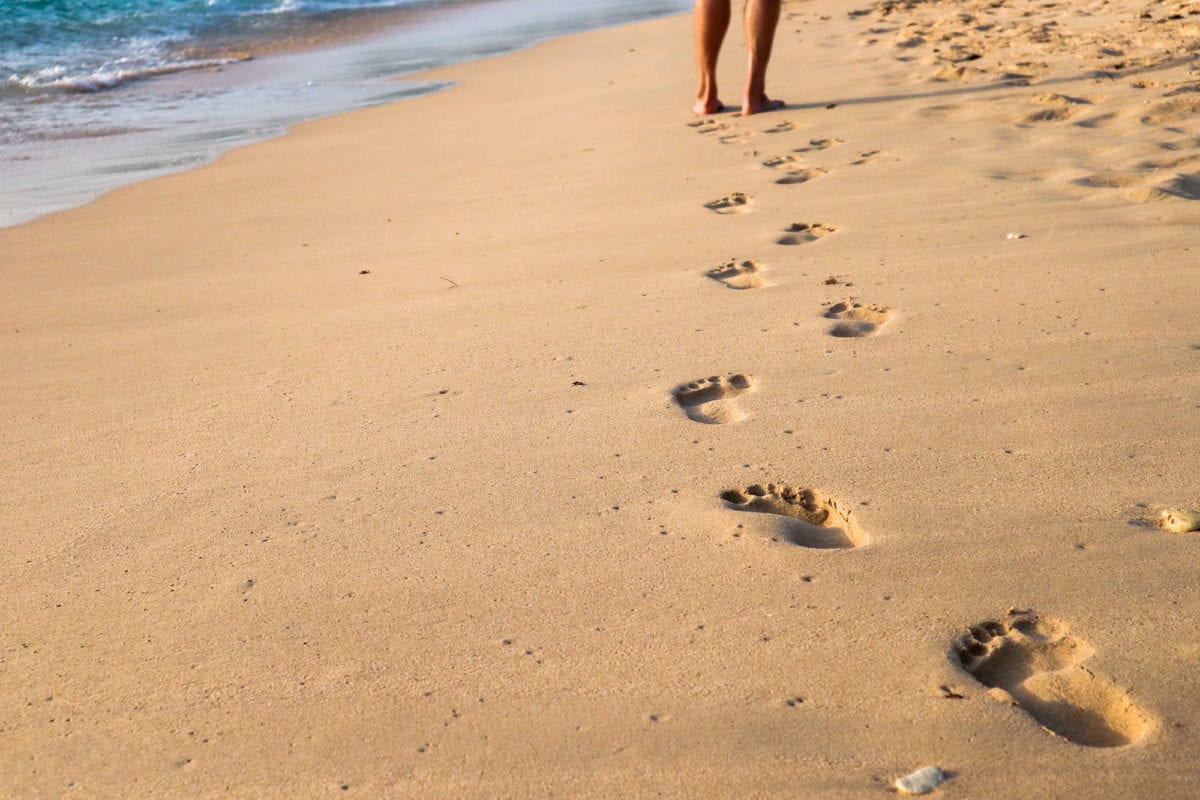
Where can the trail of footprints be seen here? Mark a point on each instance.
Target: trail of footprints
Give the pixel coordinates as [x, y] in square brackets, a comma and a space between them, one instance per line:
[1174, 109]
[1136, 178]
[805, 517]
[1024, 42]
[1023, 659]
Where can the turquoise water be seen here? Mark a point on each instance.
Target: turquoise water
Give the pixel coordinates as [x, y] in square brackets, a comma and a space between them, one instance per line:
[95, 94]
[91, 45]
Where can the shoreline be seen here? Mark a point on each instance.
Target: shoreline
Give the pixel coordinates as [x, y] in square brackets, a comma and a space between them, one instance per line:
[185, 118]
[482, 446]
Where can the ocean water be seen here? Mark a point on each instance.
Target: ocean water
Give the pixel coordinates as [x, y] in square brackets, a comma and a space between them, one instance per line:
[95, 94]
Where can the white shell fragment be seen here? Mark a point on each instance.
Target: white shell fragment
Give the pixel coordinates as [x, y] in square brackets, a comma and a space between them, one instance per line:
[923, 781]
[1178, 521]
[1015, 236]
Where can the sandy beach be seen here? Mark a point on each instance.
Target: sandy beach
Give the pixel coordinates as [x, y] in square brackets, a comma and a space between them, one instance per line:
[536, 439]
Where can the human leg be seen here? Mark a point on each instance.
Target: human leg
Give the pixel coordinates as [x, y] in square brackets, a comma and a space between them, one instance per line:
[761, 19]
[712, 21]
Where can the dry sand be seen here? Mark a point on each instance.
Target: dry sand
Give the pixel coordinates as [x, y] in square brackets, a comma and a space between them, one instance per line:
[363, 463]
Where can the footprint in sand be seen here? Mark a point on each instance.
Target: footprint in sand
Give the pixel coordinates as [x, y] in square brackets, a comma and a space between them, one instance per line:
[782, 162]
[736, 203]
[1055, 99]
[819, 144]
[804, 517]
[1058, 107]
[796, 173]
[866, 158]
[714, 401]
[1033, 663]
[804, 232]
[856, 320]
[1111, 180]
[1169, 163]
[1015, 79]
[708, 126]
[781, 127]
[738, 274]
[802, 175]
[1057, 114]
[957, 72]
[1097, 121]
[1173, 112]
[1186, 187]
[1187, 143]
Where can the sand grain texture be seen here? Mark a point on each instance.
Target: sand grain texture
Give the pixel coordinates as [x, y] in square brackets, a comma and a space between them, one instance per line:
[348, 466]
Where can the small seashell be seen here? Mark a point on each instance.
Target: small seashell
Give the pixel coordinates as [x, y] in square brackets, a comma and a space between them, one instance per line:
[1180, 521]
[1015, 236]
[923, 781]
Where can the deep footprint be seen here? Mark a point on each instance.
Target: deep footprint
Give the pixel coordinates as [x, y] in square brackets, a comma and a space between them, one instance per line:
[802, 176]
[856, 320]
[804, 232]
[808, 518]
[738, 274]
[1046, 115]
[783, 162]
[736, 203]
[1033, 663]
[713, 401]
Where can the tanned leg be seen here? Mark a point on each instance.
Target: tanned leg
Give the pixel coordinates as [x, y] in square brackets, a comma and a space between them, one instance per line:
[712, 21]
[761, 18]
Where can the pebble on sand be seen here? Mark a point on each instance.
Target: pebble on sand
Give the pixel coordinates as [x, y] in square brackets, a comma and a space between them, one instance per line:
[1180, 521]
[923, 781]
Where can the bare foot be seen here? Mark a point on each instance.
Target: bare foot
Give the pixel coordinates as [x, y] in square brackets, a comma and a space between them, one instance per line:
[759, 105]
[705, 107]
